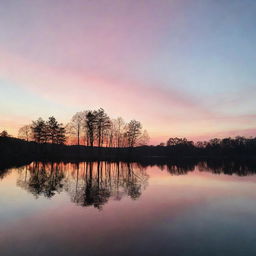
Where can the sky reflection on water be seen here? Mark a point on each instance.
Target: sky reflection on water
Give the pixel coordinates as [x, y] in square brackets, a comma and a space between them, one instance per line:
[126, 209]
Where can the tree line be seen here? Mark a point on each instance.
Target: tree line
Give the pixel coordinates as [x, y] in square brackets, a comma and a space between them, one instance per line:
[213, 144]
[226, 146]
[15, 150]
[89, 128]
[95, 128]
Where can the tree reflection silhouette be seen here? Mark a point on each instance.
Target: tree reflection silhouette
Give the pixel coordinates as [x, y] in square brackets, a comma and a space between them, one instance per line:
[87, 183]
[44, 179]
[95, 183]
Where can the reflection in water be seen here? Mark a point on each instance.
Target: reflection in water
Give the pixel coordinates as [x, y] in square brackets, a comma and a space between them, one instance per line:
[184, 210]
[240, 168]
[94, 183]
[180, 168]
[87, 183]
[217, 166]
[41, 179]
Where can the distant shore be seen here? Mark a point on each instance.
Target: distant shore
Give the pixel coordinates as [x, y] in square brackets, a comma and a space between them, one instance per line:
[16, 150]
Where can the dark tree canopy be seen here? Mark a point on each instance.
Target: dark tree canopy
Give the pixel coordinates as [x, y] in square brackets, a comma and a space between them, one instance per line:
[39, 130]
[50, 131]
[4, 133]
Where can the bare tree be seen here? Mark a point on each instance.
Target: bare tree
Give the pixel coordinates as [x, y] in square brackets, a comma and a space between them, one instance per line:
[143, 139]
[102, 125]
[110, 134]
[76, 125]
[133, 132]
[25, 132]
[119, 129]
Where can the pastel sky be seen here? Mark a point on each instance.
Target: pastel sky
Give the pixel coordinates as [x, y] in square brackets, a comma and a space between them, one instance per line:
[181, 67]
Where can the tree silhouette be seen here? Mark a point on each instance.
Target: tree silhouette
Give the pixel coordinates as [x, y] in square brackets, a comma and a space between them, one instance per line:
[55, 131]
[4, 133]
[178, 141]
[87, 183]
[77, 125]
[117, 132]
[25, 132]
[143, 139]
[51, 131]
[102, 125]
[39, 130]
[96, 127]
[90, 122]
[133, 132]
[42, 179]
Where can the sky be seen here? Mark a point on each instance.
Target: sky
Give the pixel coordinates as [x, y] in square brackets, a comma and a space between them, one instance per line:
[184, 68]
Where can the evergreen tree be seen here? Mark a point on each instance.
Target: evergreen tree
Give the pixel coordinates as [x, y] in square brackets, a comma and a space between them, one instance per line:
[39, 130]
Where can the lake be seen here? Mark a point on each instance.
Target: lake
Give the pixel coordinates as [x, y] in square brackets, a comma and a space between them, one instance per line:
[103, 208]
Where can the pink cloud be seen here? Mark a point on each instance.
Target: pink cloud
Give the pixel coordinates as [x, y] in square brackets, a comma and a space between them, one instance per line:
[164, 112]
[78, 89]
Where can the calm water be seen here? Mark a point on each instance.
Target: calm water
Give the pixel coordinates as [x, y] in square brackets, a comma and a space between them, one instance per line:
[126, 209]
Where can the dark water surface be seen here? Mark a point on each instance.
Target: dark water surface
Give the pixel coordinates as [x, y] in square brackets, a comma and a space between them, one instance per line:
[126, 209]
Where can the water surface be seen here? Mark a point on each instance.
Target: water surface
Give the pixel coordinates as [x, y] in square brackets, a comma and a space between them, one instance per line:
[105, 208]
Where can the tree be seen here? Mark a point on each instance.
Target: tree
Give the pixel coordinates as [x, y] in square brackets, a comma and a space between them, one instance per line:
[25, 132]
[133, 132]
[102, 125]
[178, 141]
[55, 131]
[52, 128]
[4, 133]
[111, 134]
[61, 135]
[214, 142]
[95, 126]
[90, 122]
[144, 138]
[201, 144]
[39, 130]
[77, 124]
[119, 126]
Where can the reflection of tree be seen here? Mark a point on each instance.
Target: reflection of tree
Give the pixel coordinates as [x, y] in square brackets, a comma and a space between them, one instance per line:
[174, 169]
[229, 167]
[4, 172]
[180, 167]
[97, 182]
[87, 183]
[216, 166]
[42, 179]
[94, 191]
